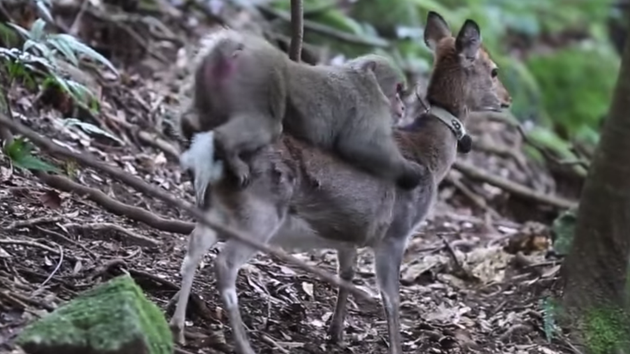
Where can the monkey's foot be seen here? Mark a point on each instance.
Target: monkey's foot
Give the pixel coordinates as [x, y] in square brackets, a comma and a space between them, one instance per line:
[243, 180]
[240, 170]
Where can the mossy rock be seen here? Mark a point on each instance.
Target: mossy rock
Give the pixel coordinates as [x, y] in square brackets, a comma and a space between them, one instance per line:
[112, 318]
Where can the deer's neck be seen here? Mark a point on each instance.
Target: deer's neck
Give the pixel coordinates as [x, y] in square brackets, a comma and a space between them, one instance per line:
[430, 141]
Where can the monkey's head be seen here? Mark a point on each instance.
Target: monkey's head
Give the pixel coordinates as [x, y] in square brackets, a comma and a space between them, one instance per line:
[390, 79]
[473, 76]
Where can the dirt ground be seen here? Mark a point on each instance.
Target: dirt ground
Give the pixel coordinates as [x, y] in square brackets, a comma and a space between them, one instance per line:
[461, 290]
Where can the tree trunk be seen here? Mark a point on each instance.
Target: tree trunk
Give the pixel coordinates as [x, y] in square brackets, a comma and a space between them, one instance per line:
[594, 297]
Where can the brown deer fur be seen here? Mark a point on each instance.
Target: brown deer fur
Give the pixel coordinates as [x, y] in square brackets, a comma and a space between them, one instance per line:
[347, 208]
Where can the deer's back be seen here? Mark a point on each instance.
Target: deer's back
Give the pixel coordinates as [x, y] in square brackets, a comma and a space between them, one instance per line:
[326, 199]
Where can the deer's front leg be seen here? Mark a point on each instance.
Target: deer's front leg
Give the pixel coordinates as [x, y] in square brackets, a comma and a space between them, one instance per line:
[346, 261]
[388, 256]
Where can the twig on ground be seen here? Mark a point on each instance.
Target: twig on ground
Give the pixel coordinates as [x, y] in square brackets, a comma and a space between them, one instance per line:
[519, 327]
[478, 200]
[451, 253]
[274, 345]
[134, 237]
[116, 207]
[70, 241]
[35, 244]
[503, 151]
[90, 160]
[23, 299]
[35, 221]
[157, 142]
[328, 31]
[52, 274]
[511, 187]
[28, 243]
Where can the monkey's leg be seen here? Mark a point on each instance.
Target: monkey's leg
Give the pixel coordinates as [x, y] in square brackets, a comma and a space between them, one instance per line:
[245, 133]
[380, 156]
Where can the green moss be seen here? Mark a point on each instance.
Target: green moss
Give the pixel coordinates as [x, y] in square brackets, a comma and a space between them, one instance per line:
[606, 329]
[114, 317]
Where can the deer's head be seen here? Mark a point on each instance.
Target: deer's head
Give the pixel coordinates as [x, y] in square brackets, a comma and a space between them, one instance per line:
[464, 75]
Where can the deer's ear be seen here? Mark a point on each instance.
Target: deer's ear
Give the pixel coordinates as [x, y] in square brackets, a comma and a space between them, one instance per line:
[468, 41]
[435, 30]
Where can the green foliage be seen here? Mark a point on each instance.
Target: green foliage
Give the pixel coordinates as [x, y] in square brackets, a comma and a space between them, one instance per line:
[39, 54]
[49, 45]
[576, 84]
[606, 329]
[549, 308]
[562, 229]
[20, 152]
[90, 129]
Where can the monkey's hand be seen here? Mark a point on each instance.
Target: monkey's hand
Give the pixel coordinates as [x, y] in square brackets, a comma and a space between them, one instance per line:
[412, 175]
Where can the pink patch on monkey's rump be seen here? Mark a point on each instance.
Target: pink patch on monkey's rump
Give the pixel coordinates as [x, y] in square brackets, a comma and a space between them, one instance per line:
[222, 69]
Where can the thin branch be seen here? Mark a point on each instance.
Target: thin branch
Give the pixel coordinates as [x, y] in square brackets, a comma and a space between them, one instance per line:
[328, 31]
[297, 30]
[116, 207]
[28, 243]
[54, 270]
[157, 142]
[478, 200]
[135, 238]
[511, 187]
[66, 239]
[35, 221]
[90, 160]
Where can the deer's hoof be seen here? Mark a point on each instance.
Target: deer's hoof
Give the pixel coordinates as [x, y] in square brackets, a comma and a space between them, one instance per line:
[178, 334]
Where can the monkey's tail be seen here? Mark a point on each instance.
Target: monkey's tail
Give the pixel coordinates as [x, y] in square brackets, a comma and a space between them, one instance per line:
[199, 158]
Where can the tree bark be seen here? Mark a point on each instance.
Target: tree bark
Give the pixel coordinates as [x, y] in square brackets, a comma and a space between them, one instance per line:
[595, 269]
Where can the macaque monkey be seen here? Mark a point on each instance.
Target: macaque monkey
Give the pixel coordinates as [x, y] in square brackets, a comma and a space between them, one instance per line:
[240, 92]
[248, 91]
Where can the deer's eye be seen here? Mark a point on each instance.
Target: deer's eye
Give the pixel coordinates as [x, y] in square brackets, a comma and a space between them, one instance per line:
[494, 72]
[399, 88]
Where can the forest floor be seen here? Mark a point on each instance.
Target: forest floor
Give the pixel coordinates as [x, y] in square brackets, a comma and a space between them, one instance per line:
[474, 279]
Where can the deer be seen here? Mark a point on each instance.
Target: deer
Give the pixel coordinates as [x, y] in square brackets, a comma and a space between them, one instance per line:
[346, 209]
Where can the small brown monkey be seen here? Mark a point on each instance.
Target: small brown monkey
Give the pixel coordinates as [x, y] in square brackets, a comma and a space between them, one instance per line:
[240, 93]
[347, 108]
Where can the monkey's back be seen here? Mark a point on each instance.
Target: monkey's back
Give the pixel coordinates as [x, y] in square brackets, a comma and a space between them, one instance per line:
[325, 101]
[254, 83]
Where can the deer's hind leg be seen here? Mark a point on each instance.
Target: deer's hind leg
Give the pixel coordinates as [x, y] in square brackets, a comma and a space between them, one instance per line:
[346, 260]
[200, 240]
[260, 221]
